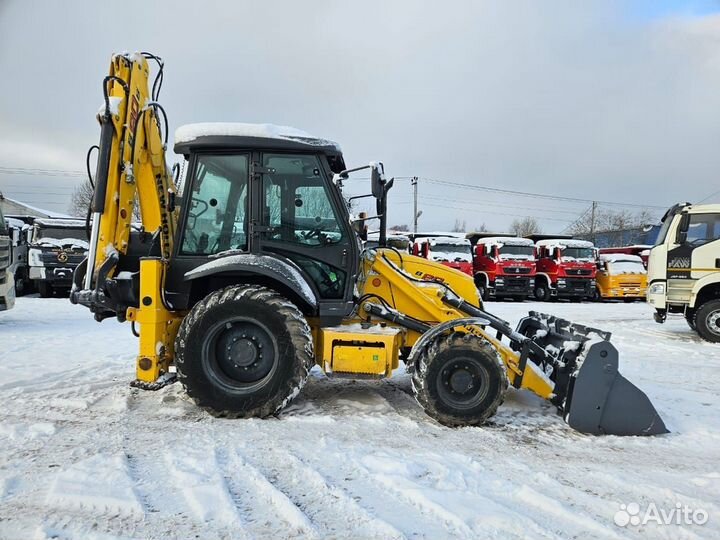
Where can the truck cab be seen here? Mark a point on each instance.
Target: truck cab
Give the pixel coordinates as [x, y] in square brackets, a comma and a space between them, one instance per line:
[55, 246]
[620, 276]
[684, 268]
[641, 250]
[566, 268]
[446, 248]
[7, 283]
[503, 265]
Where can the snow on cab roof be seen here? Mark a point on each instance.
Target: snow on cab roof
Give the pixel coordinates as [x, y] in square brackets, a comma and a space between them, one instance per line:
[506, 241]
[447, 240]
[565, 242]
[620, 257]
[190, 132]
[60, 223]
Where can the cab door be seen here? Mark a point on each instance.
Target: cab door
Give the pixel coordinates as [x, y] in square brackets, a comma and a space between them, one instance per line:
[302, 217]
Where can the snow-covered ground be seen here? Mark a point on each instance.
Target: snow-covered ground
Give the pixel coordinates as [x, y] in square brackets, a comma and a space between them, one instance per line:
[84, 456]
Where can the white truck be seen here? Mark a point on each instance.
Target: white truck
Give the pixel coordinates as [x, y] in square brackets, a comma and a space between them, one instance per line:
[684, 268]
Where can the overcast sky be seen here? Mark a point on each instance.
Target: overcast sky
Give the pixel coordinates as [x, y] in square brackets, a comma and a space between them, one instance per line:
[614, 101]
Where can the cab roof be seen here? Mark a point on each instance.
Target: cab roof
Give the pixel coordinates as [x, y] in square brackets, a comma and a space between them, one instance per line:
[227, 135]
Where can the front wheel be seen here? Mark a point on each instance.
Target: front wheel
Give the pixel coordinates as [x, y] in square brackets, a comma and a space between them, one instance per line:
[460, 380]
[542, 292]
[243, 351]
[45, 289]
[707, 321]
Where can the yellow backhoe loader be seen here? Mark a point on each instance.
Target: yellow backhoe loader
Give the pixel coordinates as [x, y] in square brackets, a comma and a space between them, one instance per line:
[254, 273]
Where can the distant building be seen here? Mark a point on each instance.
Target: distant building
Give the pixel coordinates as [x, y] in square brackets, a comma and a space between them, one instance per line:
[623, 237]
[12, 207]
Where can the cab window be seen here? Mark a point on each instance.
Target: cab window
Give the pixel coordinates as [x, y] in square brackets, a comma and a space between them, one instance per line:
[217, 205]
[703, 228]
[297, 205]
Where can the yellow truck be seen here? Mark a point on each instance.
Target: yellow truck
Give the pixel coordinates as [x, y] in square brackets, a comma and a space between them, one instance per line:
[620, 276]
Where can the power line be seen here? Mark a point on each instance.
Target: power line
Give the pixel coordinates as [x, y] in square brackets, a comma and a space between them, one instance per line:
[41, 172]
[537, 195]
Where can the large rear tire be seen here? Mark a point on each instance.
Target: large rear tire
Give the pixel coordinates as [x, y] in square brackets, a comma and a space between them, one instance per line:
[460, 380]
[243, 351]
[707, 321]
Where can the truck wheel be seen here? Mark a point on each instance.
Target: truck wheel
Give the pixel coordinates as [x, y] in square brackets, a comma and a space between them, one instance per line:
[44, 289]
[243, 351]
[482, 289]
[690, 318]
[542, 292]
[596, 296]
[707, 321]
[460, 380]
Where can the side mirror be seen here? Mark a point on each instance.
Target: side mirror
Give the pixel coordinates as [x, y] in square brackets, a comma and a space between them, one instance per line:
[682, 230]
[377, 179]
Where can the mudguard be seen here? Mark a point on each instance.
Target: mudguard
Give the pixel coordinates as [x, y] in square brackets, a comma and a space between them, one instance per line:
[271, 266]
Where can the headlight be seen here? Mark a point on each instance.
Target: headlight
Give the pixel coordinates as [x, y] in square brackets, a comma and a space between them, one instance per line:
[657, 288]
[34, 257]
[561, 282]
[592, 283]
[499, 281]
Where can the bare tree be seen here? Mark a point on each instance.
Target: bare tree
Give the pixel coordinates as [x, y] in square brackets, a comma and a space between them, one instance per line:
[612, 223]
[459, 226]
[481, 228]
[525, 226]
[80, 200]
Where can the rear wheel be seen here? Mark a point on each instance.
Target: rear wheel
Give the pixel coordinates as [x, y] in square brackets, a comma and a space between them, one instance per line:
[542, 292]
[243, 351]
[707, 321]
[460, 380]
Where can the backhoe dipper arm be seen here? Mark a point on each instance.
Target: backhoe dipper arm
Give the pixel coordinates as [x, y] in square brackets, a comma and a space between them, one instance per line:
[131, 167]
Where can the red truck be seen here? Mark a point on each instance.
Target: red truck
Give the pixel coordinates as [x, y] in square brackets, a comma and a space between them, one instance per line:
[503, 265]
[450, 249]
[566, 268]
[640, 250]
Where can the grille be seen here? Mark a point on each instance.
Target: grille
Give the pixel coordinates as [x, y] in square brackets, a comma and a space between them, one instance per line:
[516, 283]
[517, 270]
[578, 272]
[632, 284]
[577, 283]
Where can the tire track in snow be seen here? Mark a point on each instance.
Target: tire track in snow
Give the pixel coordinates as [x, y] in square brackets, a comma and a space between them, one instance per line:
[260, 501]
[198, 477]
[321, 500]
[375, 497]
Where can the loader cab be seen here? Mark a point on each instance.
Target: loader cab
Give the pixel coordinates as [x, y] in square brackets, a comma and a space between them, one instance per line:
[260, 205]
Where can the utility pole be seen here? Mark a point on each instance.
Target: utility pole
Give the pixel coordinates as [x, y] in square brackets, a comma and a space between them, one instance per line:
[415, 210]
[592, 221]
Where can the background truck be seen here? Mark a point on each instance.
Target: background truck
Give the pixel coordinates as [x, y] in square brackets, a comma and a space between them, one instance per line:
[642, 251]
[684, 268]
[565, 267]
[503, 265]
[620, 276]
[55, 246]
[449, 249]
[7, 283]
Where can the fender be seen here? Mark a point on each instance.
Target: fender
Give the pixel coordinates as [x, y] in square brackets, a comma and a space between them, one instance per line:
[705, 281]
[546, 277]
[482, 274]
[272, 266]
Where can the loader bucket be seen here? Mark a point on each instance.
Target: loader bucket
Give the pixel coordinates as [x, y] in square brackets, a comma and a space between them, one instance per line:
[591, 394]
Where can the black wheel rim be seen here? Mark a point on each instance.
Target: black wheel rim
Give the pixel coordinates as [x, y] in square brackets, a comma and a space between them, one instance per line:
[462, 383]
[240, 354]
